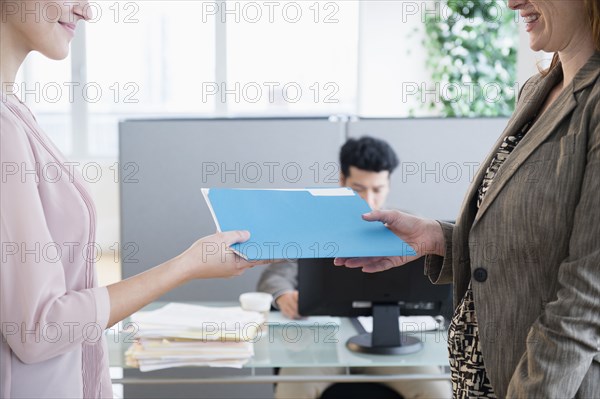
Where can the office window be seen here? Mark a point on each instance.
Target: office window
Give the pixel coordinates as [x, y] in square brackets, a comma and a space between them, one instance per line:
[294, 58]
[147, 58]
[230, 58]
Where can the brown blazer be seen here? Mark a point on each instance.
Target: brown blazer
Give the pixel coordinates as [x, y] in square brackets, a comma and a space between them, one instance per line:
[532, 250]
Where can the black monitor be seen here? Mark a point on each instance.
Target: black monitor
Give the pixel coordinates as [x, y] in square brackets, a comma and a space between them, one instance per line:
[325, 289]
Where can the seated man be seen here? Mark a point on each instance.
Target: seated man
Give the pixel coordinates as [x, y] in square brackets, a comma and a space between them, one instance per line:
[366, 167]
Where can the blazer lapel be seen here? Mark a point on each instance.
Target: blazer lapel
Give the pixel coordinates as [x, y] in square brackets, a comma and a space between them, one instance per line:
[537, 134]
[521, 115]
[518, 120]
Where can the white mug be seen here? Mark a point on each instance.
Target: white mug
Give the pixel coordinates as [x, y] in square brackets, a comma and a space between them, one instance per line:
[257, 302]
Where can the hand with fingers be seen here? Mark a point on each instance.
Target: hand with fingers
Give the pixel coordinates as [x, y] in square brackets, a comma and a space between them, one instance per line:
[212, 257]
[423, 235]
[288, 304]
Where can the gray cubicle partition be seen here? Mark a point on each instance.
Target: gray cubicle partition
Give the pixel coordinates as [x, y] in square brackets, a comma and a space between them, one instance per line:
[165, 163]
[438, 159]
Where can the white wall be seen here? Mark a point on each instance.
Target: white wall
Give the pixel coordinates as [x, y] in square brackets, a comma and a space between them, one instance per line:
[390, 56]
[102, 182]
[527, 59]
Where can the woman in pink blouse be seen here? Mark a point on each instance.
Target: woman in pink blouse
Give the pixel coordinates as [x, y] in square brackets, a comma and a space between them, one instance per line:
[52, 312]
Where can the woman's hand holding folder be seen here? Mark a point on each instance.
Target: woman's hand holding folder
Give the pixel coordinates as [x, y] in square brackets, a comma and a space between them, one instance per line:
[425, 236]
[212, 257]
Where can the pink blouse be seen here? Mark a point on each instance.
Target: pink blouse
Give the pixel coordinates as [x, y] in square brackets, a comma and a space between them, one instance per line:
[52, 313]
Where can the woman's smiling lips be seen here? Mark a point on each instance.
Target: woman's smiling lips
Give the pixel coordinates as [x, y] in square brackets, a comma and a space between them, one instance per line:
[531, 19]
[69, 27]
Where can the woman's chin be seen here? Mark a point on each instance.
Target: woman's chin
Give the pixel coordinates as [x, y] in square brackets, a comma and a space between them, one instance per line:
[533, 45]
[58, 53]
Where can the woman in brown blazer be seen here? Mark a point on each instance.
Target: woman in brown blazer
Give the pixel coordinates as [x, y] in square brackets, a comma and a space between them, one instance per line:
[524, 254]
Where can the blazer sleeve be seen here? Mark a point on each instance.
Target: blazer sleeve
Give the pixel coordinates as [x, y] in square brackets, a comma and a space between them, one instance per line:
[438, 268]
[564, 340]
[279, 278]
[40, 318]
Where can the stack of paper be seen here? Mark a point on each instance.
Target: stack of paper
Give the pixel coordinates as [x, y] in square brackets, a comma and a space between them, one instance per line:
[192, 335]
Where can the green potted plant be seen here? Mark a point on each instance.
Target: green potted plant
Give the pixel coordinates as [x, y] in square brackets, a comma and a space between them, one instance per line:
[472, 56]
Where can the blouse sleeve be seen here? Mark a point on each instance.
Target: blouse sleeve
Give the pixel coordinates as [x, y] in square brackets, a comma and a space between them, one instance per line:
[40, 319]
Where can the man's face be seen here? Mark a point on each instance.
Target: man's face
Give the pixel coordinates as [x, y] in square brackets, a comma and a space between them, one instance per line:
[373, 187]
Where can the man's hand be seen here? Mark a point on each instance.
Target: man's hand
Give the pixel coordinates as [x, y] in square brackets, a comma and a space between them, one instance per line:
[288, 304]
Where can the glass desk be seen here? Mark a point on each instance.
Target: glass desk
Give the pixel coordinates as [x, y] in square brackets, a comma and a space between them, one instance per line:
[294, 344]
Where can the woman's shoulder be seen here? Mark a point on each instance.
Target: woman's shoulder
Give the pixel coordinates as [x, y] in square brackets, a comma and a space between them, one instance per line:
[12, 126]
[528, 88]
[13, 135]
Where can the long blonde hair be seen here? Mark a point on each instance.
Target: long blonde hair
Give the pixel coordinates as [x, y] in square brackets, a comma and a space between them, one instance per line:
[593, 11]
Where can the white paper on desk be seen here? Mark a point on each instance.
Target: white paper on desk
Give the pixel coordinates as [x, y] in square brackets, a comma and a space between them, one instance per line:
[155, 354]
[181, 320]
[205, 350]
[199, 354]
[245, 332]
[277, 318]
[180, 334]
[196, 316]
[149, 366]
[407, 323]
[194, 345]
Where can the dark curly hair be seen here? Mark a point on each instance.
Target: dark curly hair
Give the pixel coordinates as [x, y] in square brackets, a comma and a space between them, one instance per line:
[367, 153]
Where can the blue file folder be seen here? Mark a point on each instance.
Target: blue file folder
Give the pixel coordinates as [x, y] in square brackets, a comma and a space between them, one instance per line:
[302, 223]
